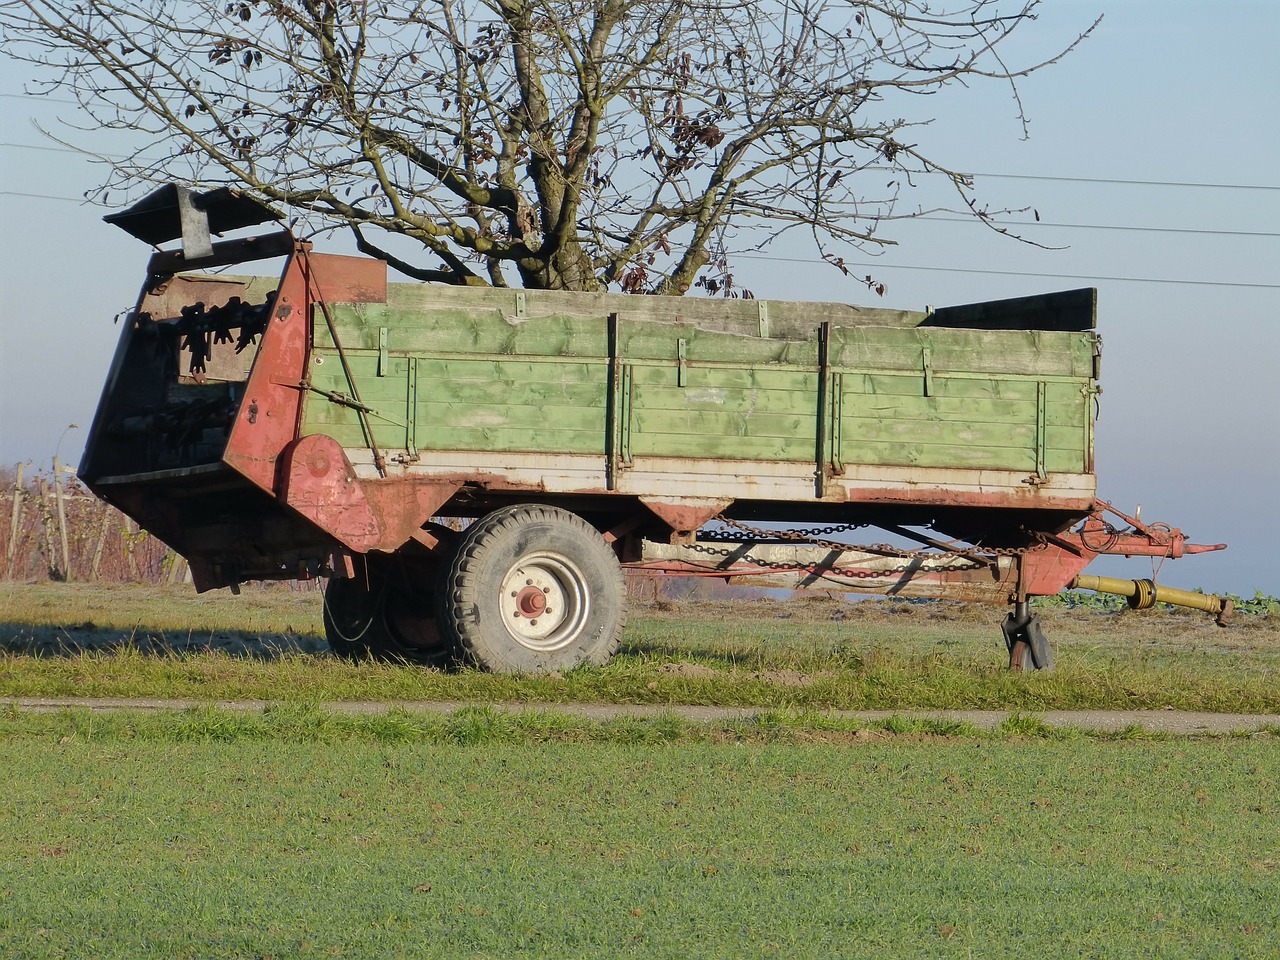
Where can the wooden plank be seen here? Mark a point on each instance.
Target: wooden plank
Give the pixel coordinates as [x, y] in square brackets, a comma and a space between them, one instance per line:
[694, 399]
[462, 332]
[948, 410]
[656, 341]
[475, 380]
[944, 455]
[936, 455]
[1007, 387]
[787, 319]
[716, 424]
[1018, 436]
[745, 380]
[513, 371]
[495, 439]
[472, 332]
[438, 415]
[693, 446]
[1029, 353]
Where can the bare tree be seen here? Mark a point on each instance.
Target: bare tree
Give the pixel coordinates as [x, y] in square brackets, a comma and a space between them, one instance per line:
[580, 144]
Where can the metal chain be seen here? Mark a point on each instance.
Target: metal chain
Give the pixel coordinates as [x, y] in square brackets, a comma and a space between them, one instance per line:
[839, 572]
[816, 537]
[808, 537]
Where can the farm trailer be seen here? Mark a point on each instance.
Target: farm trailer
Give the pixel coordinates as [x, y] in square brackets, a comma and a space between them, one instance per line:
[473, 469]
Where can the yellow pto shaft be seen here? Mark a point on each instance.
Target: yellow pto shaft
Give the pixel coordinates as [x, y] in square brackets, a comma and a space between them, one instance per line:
[1146, 593]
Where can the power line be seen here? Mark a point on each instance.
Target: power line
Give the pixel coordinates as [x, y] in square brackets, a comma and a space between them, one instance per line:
[989, 176]
[1017, 225]
[32, 96]
[43, 196]
[1131, 183]
[1102, 226]
[903, 266]
[1025, 273]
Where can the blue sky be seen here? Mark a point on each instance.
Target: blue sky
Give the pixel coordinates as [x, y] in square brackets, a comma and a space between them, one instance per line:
[1165, 120]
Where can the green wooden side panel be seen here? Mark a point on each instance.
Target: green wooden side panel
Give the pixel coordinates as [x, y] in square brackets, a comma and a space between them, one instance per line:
[459, 377]
[1031, 353]
[460, 331]
[732, 414]
[498, 405]
[993, 424]
[455, 331]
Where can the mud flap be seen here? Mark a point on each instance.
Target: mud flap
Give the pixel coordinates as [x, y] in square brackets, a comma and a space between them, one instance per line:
[1029, 648]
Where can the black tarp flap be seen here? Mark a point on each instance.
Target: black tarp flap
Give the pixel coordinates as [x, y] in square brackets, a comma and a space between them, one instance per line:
[1069, 310]
[157, 217]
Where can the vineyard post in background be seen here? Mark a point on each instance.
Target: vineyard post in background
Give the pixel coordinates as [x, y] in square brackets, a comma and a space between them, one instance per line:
[14, 522]
[64, 573]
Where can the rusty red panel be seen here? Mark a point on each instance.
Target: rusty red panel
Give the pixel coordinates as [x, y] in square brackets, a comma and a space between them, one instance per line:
[685, 515]
[1022, 499]
[320, 483]
[404, 504]
[349, 279]
[1048, 568]
[268, 417]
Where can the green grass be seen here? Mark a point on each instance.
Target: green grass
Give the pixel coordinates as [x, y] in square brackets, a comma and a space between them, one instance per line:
[210, 835]
[301, 831]
[801, 655]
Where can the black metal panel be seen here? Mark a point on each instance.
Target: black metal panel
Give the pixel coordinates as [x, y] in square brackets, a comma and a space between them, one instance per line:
[157, 218]
[1066, 311]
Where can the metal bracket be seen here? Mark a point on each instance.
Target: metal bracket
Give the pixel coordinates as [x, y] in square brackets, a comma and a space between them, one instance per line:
[763, 307]
[196, 242]
[617, 437]
[1029, 648]
[411, 411]
[342, 400]
[821, 438]
[1042, 429]
[837, 400]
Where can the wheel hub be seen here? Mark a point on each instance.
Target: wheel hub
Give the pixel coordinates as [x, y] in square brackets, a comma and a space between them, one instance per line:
[544, 601]
[531, 602]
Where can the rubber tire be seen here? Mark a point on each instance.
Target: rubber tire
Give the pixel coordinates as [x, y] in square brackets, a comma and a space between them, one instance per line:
[383, 620]
[555, 547]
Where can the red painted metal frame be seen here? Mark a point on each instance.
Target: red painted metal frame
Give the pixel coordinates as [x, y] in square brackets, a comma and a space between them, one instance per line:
[268, 418]
[1046, 568]
[312, 475]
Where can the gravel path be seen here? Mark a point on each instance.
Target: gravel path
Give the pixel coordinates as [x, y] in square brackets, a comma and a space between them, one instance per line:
[1179, 722]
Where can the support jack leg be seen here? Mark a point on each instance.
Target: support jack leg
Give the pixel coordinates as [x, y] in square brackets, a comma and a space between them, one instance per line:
[1028, 646]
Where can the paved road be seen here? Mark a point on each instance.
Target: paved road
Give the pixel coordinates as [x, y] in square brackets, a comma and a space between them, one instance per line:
[1156, 721]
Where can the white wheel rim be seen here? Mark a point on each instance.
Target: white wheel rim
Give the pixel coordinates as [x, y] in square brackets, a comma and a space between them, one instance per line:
[544, 602]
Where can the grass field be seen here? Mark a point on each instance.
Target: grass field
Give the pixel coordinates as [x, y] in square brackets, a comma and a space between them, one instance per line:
[206, 844]
[303, 833]
[81, 640]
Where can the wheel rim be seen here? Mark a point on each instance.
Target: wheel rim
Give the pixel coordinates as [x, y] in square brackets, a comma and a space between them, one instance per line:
[544, 602]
